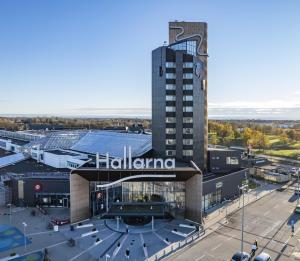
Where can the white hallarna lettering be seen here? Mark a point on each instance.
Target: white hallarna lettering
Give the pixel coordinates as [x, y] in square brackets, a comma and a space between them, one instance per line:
[139, 163]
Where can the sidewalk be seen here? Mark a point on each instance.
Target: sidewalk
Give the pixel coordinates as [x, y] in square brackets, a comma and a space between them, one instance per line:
[233, 206]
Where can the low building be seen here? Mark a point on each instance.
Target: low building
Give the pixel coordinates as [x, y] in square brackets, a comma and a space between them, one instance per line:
[223, 160]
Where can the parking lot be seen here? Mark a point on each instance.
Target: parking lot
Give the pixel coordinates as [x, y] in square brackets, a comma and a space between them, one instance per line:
[266, 220]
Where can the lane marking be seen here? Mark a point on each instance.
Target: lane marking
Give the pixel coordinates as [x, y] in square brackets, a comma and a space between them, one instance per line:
[216, 247]
[199, 258]
[270, 229]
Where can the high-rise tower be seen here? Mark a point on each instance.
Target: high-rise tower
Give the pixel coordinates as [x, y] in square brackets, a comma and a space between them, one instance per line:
[179, 94]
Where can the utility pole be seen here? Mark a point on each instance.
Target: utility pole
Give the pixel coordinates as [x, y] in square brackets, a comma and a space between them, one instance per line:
[298, 186]
[243, 188]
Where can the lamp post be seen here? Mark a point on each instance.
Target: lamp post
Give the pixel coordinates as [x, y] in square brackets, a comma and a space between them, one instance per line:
[24, 227]
[298, 172]
[243, 188]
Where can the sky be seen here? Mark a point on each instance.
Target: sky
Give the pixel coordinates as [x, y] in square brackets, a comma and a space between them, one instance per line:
[93, 58]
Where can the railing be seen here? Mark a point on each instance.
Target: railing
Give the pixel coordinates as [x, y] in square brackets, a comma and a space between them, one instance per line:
[176, 246]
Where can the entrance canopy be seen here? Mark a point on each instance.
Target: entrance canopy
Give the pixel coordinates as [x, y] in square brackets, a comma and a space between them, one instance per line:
[137, 209]
[150, 174]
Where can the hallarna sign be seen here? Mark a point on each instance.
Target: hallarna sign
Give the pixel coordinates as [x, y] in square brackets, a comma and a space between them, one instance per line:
[127, 162]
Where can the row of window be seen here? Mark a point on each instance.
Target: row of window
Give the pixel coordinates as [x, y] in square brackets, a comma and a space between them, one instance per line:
[173, 65]
[173, 109]
[185, 120]
[184, 130]
[173, 98]
[185, 142]
[184, 76]
[185, 87]
[186, 153]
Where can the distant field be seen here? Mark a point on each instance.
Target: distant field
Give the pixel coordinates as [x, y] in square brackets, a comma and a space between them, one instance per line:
[293, 154]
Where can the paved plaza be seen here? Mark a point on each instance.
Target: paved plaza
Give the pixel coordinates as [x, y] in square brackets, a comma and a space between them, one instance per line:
[94, 239]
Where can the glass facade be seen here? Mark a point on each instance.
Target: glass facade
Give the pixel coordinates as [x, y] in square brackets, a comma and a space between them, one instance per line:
[172, 193]
[210, 200]
[189, 46]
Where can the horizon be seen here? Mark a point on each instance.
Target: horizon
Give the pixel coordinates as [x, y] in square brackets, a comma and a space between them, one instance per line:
[75, 65]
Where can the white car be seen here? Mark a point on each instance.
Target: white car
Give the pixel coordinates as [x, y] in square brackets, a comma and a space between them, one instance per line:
[263, 257]
[237, 257]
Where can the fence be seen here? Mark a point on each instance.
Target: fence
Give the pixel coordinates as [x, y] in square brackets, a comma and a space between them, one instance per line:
[176, 246]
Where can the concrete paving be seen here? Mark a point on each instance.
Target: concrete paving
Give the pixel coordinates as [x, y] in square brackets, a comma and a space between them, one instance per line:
[93, 239]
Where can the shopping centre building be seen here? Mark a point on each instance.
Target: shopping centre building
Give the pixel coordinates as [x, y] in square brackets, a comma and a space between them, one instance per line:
[170, 172]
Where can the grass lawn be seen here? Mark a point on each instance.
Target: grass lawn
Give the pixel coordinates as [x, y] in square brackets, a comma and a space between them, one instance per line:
[292, 154]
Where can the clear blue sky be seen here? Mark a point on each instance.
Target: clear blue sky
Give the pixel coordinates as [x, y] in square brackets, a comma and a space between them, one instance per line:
[94, 57]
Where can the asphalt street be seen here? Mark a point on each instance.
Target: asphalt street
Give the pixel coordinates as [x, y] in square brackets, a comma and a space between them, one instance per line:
[266, 220]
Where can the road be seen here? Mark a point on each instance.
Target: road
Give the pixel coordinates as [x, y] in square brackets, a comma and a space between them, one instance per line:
[266, 220]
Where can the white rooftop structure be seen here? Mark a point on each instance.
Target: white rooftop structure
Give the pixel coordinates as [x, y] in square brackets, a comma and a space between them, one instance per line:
[12, 159]
[103, 142]
[57, 140]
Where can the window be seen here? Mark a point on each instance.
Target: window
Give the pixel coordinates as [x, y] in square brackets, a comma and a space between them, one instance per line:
[187, 142]
[170, 65]
[188, 97]
[171, 76]
[188, 65]
[189, 46]
[170, 141]
[232, 161]
[170, 120]
[187, 131]
[170, 152]
[170, 87]
[170, 130]
[170, 98]
[187, 120]
[187, 109]
[72, 165]
[187, 153]
[187, 87]
[170, 109]
[187, 76]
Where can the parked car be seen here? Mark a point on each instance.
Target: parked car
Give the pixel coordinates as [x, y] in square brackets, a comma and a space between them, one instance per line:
[60, 222]
[297, 191]
[297, 209]
[237, 257]
[263, 257]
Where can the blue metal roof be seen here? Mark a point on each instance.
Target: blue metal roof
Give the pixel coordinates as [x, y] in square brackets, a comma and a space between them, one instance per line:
[113, 143]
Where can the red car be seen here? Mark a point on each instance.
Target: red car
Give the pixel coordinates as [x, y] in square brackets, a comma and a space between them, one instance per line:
[61, 222]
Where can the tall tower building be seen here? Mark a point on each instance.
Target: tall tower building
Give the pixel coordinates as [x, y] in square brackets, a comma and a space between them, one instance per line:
[179, 94]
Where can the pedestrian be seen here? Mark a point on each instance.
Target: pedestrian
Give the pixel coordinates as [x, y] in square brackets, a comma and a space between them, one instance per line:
[254, 248]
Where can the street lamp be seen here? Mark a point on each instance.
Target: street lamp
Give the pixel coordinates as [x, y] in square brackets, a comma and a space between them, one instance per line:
[243, 189]
[298, 172]
[24, 227]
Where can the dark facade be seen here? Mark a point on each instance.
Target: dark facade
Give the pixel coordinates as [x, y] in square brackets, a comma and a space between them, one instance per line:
[47, 192]
[222, 188]
[179, 95]
[224, 160]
